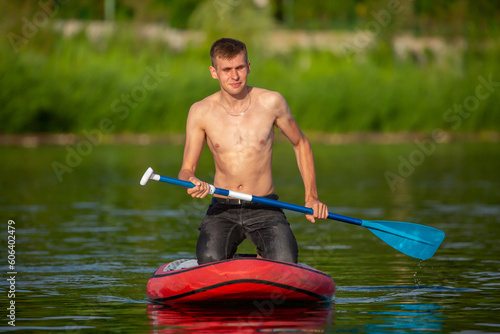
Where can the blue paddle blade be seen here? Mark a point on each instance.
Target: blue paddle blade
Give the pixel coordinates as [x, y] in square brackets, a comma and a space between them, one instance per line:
[415, 240]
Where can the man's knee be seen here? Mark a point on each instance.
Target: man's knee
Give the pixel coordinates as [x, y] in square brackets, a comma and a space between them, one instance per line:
[284, 245]
[208, 256]
[285, 251]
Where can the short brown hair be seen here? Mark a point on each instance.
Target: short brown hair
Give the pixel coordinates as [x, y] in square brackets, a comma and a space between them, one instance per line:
[227, 48]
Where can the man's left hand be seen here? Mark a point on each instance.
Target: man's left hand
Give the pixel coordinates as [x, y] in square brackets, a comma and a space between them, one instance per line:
[320, 210]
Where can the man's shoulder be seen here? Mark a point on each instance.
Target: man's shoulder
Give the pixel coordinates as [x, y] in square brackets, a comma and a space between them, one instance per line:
[266, 95]
[269, 98]
[264, 92]
[205, 103]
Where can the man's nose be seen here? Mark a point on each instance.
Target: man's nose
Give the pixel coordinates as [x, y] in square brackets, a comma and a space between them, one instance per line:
[234, 75]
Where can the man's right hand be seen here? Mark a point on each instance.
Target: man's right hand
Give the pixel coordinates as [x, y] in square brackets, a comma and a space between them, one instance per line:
[200, 189]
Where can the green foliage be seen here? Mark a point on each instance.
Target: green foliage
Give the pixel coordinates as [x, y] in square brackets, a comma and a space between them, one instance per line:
[72, 85]
[424, 16]
[231, 18]
[53, 83]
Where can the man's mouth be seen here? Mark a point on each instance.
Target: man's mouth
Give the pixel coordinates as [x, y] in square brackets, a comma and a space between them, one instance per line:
[235, 84]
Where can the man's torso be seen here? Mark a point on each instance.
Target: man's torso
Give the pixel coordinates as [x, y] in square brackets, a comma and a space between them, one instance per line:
[241, 145]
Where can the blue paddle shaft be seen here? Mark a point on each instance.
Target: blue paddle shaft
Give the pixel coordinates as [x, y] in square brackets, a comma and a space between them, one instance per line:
[411, 239]
[262, 200]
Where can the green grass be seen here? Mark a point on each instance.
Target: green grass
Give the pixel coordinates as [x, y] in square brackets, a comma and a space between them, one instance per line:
[60, 85]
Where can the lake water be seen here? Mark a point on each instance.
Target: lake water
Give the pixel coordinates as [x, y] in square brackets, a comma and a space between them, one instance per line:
[86, 244]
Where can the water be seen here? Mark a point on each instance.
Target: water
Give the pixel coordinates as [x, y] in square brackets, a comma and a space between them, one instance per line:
[86, 246]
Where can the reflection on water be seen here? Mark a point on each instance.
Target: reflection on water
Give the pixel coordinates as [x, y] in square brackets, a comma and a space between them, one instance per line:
[86, 247]
[260, 318]
[417, 318]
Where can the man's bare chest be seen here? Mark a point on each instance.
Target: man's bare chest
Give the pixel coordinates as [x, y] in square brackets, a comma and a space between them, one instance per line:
[239, 134]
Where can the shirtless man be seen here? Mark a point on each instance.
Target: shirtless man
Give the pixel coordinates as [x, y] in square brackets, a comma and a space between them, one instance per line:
[238, 124]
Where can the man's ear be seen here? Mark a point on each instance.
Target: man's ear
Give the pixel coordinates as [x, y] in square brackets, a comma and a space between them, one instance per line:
[248, 64]
[213, 71]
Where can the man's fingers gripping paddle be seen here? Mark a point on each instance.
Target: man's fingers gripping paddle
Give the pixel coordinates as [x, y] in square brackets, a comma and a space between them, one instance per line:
[320, 211]
[200, 189]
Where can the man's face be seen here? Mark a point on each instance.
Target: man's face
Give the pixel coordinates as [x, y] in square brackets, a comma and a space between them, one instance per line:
[231, 73]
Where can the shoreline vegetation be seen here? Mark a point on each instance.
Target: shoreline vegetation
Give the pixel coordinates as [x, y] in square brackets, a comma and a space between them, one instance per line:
[70, 139]
[376, 81]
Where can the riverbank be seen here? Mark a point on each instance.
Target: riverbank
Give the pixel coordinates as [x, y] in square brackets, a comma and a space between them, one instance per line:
[63, 139]
[129, 84]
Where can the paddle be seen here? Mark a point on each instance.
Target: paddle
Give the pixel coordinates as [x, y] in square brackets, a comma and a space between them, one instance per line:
[415, 240]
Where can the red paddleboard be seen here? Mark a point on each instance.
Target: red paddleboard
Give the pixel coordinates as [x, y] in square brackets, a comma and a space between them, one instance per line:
[244, 279]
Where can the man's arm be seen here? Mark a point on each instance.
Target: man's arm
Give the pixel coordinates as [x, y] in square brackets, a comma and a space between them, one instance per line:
[305, 160]
[195, 138]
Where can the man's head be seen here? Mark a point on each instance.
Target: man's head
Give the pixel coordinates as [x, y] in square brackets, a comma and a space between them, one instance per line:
[227, 48]
[230, 65]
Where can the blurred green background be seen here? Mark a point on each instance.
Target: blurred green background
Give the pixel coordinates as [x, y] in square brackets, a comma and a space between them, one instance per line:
[124, 66]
